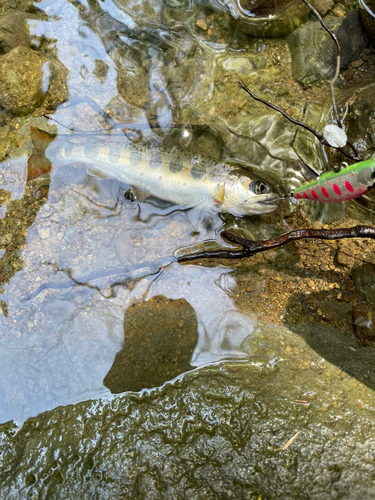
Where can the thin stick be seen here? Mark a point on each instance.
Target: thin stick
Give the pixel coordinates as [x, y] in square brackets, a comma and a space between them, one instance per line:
[300, 124]
[272, 106]
[250, 247]
[334, 38]
[288, 443]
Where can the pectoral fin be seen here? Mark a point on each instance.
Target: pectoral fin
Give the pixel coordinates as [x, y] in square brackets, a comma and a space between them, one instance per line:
[219, 194]
[137, 194]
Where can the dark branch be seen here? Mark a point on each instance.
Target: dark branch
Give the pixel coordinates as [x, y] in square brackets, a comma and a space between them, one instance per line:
[300, 124]
[250, 247]
[334, 38]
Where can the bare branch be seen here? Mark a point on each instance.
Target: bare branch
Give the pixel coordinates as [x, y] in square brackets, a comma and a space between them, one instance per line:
[250, 247]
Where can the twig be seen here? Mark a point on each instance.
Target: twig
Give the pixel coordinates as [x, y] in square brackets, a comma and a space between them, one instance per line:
[334, 38]
[288, 443]
[250, 247]
[300, 124]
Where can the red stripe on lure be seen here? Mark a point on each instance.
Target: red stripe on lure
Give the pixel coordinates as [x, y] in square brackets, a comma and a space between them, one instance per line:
[348, 184]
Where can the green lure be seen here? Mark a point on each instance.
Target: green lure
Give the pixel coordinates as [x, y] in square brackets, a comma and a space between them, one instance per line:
[348, 184]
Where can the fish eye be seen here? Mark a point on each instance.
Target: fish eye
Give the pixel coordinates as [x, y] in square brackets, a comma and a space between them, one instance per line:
[373, 175]
[258, 187]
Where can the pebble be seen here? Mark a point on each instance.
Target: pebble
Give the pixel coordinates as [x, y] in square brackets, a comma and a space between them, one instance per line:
[44, 232]
[339, 11]
[201, 24]
[317, 225]
[357, 64]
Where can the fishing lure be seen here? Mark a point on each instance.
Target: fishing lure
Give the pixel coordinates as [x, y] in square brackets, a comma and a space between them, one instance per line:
[347, 184]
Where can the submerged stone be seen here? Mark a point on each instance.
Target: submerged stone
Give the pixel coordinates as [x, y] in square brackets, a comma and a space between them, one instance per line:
[21, 80]
[314, 53]
[269, 18]
[14, 31]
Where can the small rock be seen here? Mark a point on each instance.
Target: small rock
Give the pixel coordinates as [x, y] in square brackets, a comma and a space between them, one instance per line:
[238, 65]
[101, 70]
[201, 24]
[44, 232]
[70, 235]
[323, 6]
[357, 64]
[6, 240]
[339, 10]
[317, 225]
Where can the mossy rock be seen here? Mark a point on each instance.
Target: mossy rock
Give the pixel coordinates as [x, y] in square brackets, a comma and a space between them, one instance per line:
[21, 80]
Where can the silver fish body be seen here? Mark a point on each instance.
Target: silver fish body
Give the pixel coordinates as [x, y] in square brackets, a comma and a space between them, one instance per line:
[172, 176]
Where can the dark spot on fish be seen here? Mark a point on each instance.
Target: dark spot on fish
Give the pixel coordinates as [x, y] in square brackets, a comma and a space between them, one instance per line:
[135, 157]
[175, 165]
[155, 160]
[114, 154]
[196, 172]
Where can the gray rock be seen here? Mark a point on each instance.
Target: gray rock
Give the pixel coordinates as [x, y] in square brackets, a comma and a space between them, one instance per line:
[14, 31]
[21, 78]
[314, 54]
[361, 124]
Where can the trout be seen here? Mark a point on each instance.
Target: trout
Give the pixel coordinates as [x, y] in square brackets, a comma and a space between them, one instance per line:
[172, 176]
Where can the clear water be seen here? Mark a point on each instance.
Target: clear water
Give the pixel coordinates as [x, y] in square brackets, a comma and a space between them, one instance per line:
[82, 255]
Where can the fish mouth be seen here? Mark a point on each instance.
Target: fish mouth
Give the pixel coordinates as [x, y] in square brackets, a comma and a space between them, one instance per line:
[272, 199]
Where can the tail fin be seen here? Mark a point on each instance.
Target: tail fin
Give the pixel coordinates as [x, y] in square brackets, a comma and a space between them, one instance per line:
[38, 164]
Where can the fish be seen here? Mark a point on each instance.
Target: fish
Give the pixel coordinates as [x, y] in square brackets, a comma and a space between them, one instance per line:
[349, 183]
[170, 175]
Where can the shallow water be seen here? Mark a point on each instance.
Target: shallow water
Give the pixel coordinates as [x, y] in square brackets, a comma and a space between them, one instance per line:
[94, 303]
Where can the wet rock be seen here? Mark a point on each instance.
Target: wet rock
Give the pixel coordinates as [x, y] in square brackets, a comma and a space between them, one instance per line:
[160, 337]
[265, 17]
[364, 323]
[219, 428]
[367, 13]
[238, 65]
[21, 80]
[323, 6]
[336, 311]
[101, 70]
[14, 31]
[361, 132]
[361, 123]
[314, 54]
[364, 281]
